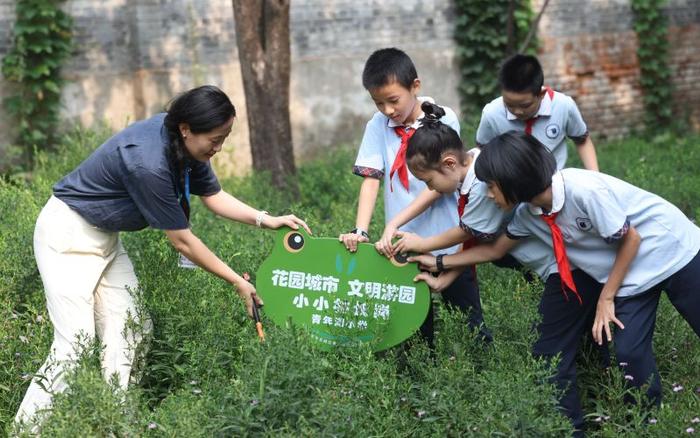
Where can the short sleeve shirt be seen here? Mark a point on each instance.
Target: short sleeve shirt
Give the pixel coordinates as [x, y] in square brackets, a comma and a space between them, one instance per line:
[557, 118]
[595, 211]
[127, 183]
[377, 153]
[485, 221]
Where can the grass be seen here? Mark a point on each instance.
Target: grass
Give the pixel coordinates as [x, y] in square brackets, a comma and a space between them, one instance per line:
[207, 375]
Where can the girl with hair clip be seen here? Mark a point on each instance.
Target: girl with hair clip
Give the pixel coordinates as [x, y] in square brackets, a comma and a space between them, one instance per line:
[632, 241]
[438, 158]
[142, 176]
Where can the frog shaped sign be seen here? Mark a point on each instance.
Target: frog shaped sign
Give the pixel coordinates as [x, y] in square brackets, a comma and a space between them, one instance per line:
[341, 297]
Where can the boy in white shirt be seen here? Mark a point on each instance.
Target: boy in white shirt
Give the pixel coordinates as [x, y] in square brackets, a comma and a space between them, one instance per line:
[391, 80]
[527, 105]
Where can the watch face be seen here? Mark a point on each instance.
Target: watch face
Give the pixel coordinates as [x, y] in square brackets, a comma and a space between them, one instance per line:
[360, 232]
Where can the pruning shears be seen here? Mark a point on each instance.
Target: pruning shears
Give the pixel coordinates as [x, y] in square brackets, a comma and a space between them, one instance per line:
[258, 322]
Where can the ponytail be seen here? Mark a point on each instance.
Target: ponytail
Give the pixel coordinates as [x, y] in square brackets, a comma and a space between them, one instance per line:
[432, 139]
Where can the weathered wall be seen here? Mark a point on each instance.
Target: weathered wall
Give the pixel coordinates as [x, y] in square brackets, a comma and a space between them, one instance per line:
[588, 50]
[132, 56]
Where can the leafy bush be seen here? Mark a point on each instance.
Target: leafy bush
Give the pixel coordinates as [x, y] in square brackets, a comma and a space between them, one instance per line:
[206, 374]
[483, 42]
[42, 38]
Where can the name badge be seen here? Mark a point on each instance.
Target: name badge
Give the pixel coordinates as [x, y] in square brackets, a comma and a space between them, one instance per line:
[186, 263]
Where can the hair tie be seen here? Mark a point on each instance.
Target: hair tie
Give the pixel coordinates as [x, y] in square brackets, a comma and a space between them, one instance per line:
[431, 121]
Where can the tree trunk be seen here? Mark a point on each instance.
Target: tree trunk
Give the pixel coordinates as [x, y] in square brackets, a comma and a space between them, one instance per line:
[262, 35]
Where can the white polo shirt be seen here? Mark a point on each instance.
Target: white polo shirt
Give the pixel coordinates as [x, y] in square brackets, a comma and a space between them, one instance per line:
[378, 150]
[485, 221]
[557, 117]
[595, 211]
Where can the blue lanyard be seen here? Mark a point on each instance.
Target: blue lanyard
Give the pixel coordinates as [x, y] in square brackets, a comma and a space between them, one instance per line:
[185, 196]
[187, 185]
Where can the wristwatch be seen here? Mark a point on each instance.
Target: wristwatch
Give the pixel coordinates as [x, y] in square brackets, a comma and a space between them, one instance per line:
[360, 232]
[438, 262]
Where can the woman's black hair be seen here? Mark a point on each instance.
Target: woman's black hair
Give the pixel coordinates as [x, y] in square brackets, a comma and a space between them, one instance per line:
[432, 139]
[518, 163]
[204, 109]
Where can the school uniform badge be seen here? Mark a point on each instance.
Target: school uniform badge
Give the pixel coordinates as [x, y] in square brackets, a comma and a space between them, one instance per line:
[342, 298]
[583, 223]
[552, 130]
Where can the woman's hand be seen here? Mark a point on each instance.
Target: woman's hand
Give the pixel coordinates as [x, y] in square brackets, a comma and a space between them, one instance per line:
[351, 240]
[436, 284]
[384, 245]
[408, 242]
[426, 262]
[604, 315]
[291, 221]
[248, 293]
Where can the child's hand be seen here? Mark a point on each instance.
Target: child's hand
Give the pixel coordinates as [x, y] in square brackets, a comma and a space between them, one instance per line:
[436, 284]
[384, 245]
[350, 240]
[291, 221]
[408, 242]
[604, 315]
[425, 262]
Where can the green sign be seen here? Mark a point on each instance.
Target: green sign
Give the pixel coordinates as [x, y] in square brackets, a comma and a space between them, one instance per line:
[341, 297]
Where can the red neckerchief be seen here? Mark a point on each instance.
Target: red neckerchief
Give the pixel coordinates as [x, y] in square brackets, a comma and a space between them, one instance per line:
[529, 123]
[400, 160]
[462, 203]
[567, 281]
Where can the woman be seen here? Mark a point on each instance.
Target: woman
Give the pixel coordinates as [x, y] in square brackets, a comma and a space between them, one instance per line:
[142, 176]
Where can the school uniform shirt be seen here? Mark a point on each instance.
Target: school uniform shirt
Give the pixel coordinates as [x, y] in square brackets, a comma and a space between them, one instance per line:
[558, 117]
[127, 184]
[485, 221]
[595, 211]
[376, 156]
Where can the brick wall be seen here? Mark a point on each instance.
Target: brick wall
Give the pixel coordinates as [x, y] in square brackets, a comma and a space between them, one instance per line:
[588, 50]
[133, 56]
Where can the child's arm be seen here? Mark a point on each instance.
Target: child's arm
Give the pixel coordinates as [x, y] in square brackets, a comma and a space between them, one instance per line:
[365, 207]
[577, 130]
[485, 132]
[586, 150]
[418, 206]
[472, 256]
[411, 242]
[605, 310]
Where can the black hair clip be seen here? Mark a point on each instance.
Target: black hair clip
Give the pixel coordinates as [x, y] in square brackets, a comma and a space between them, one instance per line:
[430, 121]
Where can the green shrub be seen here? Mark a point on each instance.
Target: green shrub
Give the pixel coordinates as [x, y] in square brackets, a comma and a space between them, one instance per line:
[206, 374]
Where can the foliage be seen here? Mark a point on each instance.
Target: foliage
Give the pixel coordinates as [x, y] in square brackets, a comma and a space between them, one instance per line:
[42, 42]
[651, 26]
[482, 44]
[207, 375]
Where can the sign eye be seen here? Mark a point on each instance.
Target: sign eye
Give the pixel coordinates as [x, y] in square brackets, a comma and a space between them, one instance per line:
[400, 260]
[293, 241]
